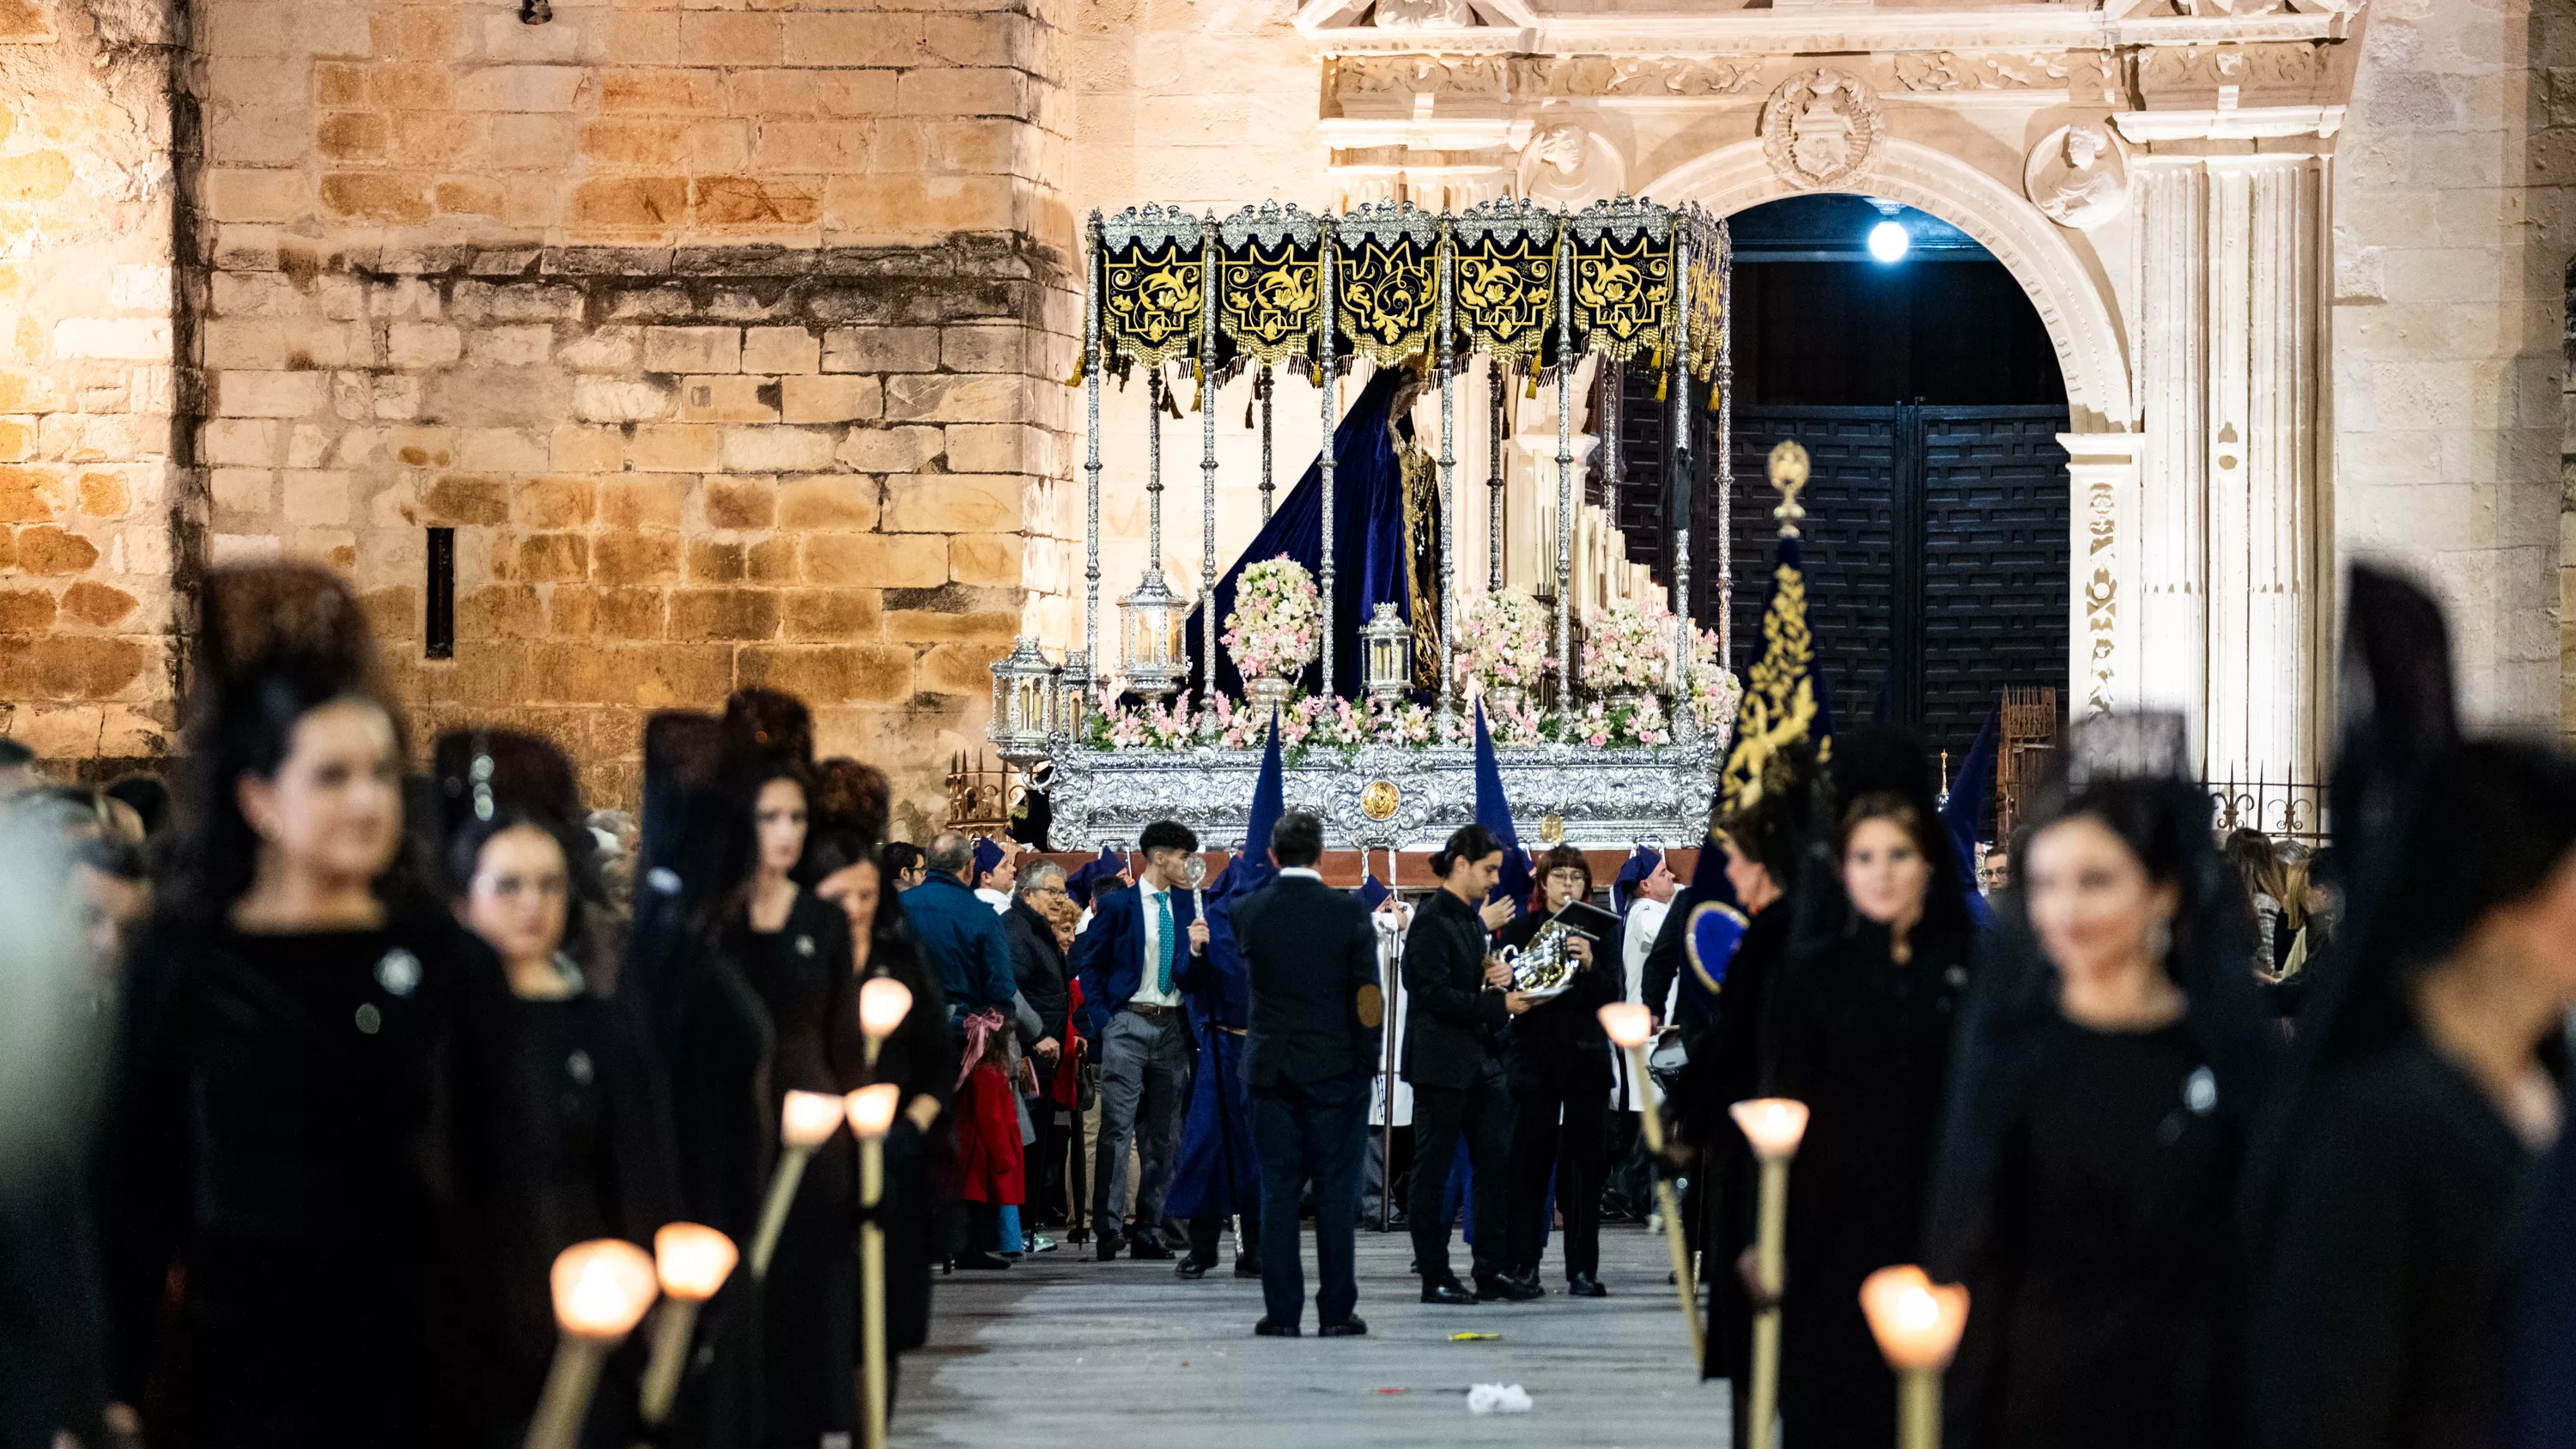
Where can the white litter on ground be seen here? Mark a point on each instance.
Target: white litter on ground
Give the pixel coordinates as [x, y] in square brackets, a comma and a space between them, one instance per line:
[1498, 1399]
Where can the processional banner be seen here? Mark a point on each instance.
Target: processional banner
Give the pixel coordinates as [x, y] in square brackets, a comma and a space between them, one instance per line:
[1269, 288]
[1152, 272]
[1383, 285]
[1504, 286]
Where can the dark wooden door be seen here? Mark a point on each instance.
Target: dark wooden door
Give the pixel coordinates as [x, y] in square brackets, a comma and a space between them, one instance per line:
[1937, 544]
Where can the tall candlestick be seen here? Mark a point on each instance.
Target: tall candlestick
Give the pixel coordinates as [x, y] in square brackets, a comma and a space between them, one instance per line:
[1775, 1126]
[601, 1290]
[1917, 1323]
[871, 1111]
[806, 1122]
[692, 1262]
[1629, 1024]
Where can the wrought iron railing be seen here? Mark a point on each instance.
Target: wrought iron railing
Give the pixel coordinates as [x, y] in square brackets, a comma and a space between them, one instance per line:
[2281, 809]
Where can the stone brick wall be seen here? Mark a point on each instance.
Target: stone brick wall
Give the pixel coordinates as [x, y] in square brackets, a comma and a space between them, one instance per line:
[729, 341]
[89, 579]
[2455, 223]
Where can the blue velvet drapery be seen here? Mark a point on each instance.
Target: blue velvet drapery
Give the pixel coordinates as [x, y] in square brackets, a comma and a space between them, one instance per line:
[1368, 539]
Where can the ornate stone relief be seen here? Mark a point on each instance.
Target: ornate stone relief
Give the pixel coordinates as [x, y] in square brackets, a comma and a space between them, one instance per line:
[1820, 128]
[1945, 71]
[2079, 176]
[2242, 8]
[1570, 167]
[2176, 66]
[2101, 594]
[1423, 15]
[1505, 79]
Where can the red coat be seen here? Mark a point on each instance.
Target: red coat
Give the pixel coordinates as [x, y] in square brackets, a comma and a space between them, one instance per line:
[990, 1165]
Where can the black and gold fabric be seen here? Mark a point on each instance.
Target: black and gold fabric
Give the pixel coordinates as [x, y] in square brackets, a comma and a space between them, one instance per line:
[1504, 286]
[1784, 703]
[1621, 253]
[1269, 287]
[1153, 303]
[1386, 291]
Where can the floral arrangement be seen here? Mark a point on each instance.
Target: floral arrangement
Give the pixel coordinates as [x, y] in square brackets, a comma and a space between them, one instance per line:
[1715, 691]
[1277, 623]
[1602, 723]
[1505, 640]
[1625, 648]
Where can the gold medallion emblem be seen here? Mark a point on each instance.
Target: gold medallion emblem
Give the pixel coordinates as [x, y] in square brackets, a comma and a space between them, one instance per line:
[1551, 829]
[1379, 798]
[1372, 1006]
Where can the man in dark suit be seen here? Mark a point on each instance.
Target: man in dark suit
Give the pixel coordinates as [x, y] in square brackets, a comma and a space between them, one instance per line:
[1039, 963]
[1316, 1009]
[1143, 949]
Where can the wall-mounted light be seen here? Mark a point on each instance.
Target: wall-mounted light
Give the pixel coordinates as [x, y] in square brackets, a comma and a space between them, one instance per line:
[1888, 242]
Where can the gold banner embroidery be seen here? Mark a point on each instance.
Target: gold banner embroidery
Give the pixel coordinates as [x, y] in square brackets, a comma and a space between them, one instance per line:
[1623, 293]
[1266, 301]
[1505, 294]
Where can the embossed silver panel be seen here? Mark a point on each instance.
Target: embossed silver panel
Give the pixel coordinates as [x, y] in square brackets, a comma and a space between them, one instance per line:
[1608, 799]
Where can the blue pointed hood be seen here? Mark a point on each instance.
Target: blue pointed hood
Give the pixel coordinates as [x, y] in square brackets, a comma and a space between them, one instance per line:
[1495, 814]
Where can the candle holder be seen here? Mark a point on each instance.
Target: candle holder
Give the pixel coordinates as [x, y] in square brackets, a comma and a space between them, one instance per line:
[692, 1262]
[1917, 1323]
[1775, 1126]
[1630, 1025]
[871, 1112]
[806, 1122]
[1024, 704]
[883, 1004]
[601, 1290]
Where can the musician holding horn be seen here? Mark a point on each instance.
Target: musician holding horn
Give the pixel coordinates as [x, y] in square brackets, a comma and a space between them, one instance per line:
[1558, 1065]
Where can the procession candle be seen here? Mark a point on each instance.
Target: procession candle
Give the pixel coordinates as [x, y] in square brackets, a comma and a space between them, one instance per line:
[807, 1121]
[1917, 1324]
[883, 1004]
[1630, 1024]
[601, 1289]
[1775, 1126]
[692, 1262]
[871, 1111]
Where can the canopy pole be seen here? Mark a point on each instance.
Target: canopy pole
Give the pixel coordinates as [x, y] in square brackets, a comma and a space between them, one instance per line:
[1564, 470]
[1332, 414]
[1448, 479]
[1207, 459]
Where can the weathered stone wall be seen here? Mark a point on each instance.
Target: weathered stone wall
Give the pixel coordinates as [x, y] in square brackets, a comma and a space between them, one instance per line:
[2454, 225]
[728, 341]
[89, 579]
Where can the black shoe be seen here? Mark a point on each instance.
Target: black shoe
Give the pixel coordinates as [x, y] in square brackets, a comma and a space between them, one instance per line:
[1147, 1246]
[1188, 1268]
[1449, 1293]
[1247, 1267]
[1584, 1285]
[1505, 1288]
[1351, 1327]
[1267, 1329]
[1413, 1266]
[982, 1262]
[1108, 1247]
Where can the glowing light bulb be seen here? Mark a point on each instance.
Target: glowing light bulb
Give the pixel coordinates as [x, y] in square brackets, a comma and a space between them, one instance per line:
[1628, 1023]
[601, 1288]
[871, 1109]
[809, 1119]
[1889, 242]
[1774, 1125]
[692, 1261]
[883, 1004]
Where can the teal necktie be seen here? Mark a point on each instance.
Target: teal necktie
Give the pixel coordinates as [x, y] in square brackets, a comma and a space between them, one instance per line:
[1163, 942]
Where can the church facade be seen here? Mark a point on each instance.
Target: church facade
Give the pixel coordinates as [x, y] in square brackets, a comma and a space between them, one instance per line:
[628, 354]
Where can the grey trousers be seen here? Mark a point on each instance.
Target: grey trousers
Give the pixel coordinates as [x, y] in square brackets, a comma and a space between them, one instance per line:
[1144, 1086]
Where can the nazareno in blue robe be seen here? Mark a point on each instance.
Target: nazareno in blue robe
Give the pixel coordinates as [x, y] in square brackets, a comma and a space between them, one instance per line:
[1369, 556]
[1218, 1174]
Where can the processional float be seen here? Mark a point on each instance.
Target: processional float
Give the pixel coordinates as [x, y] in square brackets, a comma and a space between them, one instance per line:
[1196, 300]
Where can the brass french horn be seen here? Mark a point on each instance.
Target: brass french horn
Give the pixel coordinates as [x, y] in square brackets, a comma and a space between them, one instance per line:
[1545, 967]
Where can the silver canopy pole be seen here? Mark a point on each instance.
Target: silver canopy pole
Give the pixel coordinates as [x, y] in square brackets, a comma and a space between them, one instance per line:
[1091, 280]
[1448, 475]
[1207, 458]
[1332, 414]
[1564, 468]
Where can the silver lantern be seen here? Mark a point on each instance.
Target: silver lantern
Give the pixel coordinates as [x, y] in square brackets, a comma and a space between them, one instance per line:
[1386, 653]
[1073, 694]
[1024, 703]
[1154, 661]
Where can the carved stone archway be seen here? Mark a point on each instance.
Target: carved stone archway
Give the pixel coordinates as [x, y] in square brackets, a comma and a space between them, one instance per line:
[2070, 301]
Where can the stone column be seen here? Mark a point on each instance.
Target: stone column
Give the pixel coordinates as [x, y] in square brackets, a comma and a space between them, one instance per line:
[2102, 472]
[2171, 562]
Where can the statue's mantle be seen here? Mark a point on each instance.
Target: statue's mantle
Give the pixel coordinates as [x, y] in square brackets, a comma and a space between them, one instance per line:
[1607, 798]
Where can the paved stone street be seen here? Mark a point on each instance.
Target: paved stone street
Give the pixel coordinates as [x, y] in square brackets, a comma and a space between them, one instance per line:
[1064, 1350]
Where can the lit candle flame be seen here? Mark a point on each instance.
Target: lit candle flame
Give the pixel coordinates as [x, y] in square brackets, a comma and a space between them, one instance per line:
[872, 1109]
[1774, 1125]
[1917, 1322]
[883, 1004]
[692, 1261]
[601, 1288]
[809, 1119]
[1628, 1023]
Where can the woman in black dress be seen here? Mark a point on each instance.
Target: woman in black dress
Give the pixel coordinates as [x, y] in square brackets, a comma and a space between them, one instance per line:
[792, 946]
[300, 1123]
[1859, 1029]
[588, 1159]
[2107, 1070]
[1558, 1063]
[920, 1056]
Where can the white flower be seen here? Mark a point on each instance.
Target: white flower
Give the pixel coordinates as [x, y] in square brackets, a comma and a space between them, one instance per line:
[1277, 625]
